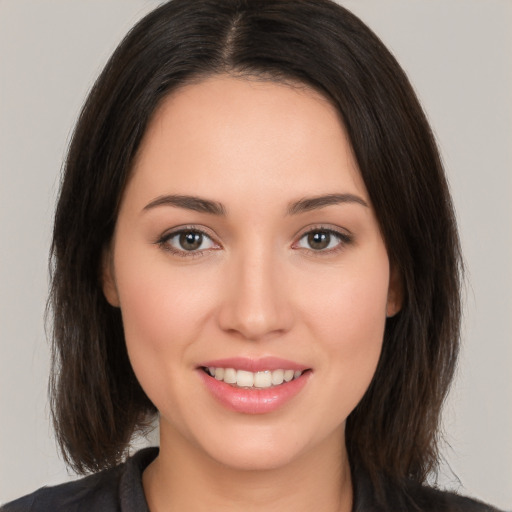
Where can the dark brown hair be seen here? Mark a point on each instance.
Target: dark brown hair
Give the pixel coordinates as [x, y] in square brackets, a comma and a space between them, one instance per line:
[97, 402]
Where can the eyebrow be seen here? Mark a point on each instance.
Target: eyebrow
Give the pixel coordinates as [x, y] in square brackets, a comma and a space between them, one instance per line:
[313, 203]
[202, 205]
[194, 203]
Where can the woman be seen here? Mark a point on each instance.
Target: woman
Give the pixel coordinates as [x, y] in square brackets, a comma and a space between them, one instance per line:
[254, 238]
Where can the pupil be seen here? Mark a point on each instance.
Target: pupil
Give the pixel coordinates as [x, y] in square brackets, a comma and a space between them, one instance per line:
[319, 240]
[190, 240]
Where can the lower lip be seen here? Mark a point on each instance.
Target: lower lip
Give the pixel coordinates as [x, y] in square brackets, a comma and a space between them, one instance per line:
[253, 401]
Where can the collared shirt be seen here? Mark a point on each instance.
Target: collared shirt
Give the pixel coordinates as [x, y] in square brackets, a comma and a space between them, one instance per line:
[120, 490]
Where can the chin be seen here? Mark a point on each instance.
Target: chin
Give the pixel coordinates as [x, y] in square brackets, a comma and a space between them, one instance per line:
[256, 458]
[263, 448]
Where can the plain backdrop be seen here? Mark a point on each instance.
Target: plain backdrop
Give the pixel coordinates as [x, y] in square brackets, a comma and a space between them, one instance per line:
[458, 56]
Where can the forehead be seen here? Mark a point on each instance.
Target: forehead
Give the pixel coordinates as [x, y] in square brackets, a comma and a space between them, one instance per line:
[225, 133]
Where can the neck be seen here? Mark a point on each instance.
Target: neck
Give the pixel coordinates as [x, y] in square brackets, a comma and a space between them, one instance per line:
[183, 478]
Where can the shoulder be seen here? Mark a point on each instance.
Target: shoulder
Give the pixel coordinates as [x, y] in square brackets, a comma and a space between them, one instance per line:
[430, 499]
[384, 495]
[96, 492]
[105, 491]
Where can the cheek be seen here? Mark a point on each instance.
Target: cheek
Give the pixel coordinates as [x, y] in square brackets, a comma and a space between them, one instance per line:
[163, 309]
[348, 316]
[350, 303]
[163, 312]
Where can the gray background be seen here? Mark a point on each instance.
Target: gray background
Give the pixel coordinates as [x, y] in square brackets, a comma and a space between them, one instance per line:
[457, 54]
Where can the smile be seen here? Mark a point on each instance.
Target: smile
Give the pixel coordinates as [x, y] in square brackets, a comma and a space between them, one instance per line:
[248, 385]
[253, 380]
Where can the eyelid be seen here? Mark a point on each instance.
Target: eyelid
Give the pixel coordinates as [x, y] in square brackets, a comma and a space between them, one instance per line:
[170, 233]
[345, 237]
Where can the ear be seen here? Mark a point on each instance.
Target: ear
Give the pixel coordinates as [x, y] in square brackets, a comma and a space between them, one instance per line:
[395, 292]
[108, 282]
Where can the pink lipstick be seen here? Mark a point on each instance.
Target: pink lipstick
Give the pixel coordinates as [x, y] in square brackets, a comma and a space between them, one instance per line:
[253, 386]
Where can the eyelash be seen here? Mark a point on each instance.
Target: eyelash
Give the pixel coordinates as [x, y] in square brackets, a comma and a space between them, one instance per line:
[164, 240]
[344, 239]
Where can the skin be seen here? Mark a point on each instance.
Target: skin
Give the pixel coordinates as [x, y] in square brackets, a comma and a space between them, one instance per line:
[257, 289]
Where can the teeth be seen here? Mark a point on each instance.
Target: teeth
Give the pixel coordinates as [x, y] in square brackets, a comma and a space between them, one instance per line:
[245, 379]
[230, 376]
[263, 380]
[277, 377]
[288, 375]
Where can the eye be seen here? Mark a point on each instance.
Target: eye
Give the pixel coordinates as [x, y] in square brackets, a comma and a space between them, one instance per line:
[323, 240]
[185, 241]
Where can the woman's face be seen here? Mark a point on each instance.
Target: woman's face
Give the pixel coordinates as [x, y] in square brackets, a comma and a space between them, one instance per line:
[246, 247]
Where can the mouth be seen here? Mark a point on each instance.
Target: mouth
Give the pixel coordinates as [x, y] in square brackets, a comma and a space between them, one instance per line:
[254, 385]
[245, 379]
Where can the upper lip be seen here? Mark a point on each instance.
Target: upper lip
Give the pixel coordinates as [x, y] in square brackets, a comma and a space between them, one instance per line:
[255, 364]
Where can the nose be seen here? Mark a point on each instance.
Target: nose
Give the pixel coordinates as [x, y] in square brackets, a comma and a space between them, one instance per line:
[256, 302]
